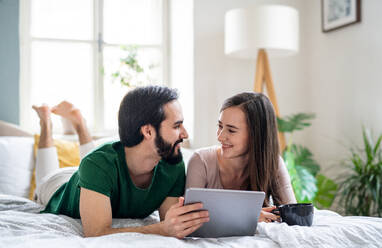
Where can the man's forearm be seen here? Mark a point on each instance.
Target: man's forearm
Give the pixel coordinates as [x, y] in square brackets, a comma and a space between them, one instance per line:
[149, 229]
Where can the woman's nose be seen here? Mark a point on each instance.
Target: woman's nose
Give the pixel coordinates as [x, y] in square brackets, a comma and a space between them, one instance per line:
[221, 136]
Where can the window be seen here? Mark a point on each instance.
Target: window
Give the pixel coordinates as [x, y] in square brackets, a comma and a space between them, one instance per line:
[70, 48]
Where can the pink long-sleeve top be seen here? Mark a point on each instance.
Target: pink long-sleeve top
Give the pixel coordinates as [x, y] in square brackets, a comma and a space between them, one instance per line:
[203, 172]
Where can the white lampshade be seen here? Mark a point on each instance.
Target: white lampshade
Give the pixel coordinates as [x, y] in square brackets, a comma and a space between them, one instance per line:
[274, 28]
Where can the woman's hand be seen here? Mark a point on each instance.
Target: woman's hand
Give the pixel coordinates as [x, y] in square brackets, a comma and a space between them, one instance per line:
[267, 216]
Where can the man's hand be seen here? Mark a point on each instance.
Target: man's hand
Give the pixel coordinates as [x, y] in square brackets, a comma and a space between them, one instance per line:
[267, 216]
[96, 217]
[180, 220]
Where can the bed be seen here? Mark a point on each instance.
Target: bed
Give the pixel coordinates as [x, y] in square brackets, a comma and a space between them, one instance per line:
[21, 224]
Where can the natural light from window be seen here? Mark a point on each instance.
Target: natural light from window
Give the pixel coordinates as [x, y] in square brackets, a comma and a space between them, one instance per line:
[71, 49]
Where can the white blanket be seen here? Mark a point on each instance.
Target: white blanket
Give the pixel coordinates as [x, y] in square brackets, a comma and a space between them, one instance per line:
[329, 229]
[22, 226]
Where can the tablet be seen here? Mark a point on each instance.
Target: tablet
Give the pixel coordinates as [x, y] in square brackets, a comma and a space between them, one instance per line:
[231, 212]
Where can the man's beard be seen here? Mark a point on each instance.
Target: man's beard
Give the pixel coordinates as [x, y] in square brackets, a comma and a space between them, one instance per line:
[167, 151]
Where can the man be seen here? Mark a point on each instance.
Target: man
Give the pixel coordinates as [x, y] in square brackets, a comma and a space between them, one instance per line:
[126, 179]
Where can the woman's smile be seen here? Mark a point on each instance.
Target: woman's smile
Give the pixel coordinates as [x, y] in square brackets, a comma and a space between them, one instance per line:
[226, 146]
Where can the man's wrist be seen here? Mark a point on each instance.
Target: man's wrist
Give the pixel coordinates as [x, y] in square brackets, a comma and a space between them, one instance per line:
[161, 231]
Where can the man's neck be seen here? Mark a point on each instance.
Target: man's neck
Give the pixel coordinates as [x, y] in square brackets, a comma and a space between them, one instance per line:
[141, 164]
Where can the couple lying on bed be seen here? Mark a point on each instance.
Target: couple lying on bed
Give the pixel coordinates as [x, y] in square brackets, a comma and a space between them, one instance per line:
[144, 171]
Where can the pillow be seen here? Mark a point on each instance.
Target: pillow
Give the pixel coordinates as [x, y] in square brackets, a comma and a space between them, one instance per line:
[68, 156]
[16, 165]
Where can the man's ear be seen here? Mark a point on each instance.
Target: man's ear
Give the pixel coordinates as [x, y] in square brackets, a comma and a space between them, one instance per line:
[147, 131]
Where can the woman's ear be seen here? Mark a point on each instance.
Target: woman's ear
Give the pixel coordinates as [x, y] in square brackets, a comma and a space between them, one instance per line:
[147, 131]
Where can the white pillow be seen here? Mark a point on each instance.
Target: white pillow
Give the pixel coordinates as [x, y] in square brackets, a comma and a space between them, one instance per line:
[16, 165]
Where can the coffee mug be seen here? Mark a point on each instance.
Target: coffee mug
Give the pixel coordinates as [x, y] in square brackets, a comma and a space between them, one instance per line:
[296, 214]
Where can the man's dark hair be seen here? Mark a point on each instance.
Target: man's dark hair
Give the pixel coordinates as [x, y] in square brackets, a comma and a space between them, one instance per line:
[142, 106]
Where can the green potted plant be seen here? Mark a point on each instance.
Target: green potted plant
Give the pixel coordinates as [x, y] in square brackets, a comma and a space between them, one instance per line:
[131, 72]
[308, 184]
[361, 190]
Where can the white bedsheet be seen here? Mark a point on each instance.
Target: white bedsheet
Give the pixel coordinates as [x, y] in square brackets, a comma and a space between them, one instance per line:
[22, 226]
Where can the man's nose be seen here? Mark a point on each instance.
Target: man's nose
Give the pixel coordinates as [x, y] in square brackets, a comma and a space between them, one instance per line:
[184, 134]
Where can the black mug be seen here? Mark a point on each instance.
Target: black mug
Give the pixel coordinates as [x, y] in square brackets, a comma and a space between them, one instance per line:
[296, 214]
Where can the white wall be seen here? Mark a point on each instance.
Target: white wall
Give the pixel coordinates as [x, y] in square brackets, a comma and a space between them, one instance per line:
[181, 53]
[344, 79]
[336, 75]
[217, 77]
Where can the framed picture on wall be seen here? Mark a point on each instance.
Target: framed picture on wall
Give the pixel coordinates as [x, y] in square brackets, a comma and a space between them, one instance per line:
[339, 13]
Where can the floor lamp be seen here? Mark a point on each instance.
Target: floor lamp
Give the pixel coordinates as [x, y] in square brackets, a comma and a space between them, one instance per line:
[258, 31]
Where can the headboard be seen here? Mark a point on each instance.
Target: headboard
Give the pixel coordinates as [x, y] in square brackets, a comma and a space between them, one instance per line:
[9, 129]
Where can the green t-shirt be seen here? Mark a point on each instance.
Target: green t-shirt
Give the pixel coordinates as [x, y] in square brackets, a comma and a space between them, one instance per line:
[105, 171]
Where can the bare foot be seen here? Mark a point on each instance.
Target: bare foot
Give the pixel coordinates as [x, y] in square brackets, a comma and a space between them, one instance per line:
[69, 111]
[43, 113]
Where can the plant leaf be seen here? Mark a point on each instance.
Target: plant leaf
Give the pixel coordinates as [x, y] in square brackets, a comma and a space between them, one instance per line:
[309, 188]
[326, 192]
[376, 147]
[303, 182]
[294, 122]
[361, 190]
[130, 72]
[304, 157]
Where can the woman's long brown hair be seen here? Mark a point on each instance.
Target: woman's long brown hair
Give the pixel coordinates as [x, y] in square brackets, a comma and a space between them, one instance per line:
[263, 143]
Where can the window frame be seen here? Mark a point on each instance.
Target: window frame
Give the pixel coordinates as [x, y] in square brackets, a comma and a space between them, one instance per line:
[97, 44]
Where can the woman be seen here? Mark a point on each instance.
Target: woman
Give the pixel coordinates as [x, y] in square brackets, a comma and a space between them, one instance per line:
[248, 157]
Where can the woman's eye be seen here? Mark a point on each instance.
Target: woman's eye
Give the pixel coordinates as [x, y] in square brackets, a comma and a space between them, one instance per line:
[231, 131]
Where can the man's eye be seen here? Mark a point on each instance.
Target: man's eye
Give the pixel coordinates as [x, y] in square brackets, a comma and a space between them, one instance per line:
[231, 131]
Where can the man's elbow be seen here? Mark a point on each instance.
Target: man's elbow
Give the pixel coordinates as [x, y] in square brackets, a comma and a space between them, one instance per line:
[96, 233]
